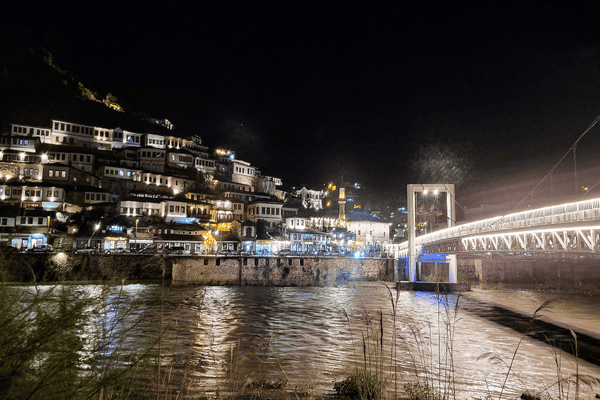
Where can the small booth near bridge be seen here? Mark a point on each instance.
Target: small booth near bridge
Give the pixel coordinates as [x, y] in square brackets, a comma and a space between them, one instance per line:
[415, 260]
[437, 267]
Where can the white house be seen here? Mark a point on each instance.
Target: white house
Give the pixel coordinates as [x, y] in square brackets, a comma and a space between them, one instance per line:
[371, 234]
[267, 210]
[311, 198]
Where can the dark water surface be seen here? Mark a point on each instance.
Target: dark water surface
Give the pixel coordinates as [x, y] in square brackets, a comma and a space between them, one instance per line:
[219, 338]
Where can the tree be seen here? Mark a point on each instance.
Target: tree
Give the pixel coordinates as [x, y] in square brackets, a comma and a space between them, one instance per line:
[443, 162]
[261, 229]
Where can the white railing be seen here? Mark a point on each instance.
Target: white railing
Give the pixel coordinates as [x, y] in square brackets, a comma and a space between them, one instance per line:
[568, 213]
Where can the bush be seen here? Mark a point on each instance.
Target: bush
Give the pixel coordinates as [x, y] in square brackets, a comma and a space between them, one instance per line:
[44, 354]
[266, 383]
[420, 391]
[363, 384]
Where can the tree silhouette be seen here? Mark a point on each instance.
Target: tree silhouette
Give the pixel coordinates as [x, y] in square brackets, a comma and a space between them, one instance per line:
[443, 162]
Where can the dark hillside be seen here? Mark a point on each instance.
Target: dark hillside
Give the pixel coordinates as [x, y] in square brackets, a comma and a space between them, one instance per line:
[34, 89]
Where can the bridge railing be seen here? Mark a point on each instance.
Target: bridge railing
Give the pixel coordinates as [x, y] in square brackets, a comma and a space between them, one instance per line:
[581, 211]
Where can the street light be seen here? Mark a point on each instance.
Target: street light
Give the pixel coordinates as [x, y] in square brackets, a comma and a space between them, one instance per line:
[96, 227]
[135, 234]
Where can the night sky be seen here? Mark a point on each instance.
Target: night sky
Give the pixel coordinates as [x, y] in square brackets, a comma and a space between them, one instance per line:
[308, 92]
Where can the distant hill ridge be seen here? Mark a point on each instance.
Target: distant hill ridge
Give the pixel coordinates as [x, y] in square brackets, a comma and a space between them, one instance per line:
[35, 90]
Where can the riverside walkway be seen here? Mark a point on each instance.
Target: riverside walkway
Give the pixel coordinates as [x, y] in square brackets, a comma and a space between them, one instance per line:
[579, 312]
[564, 312]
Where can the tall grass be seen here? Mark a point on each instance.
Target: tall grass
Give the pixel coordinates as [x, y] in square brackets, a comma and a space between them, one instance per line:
[430, 347]
[561, 389]
[378, 374]
[65, 342]
[49, 349]
[432, 353]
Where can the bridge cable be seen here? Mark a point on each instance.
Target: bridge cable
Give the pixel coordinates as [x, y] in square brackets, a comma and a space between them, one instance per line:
[465, 210]
[575, 164]
[552, 170]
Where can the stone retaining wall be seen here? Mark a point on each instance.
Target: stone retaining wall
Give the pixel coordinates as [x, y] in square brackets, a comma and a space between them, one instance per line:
[552, 273]
[285, 271]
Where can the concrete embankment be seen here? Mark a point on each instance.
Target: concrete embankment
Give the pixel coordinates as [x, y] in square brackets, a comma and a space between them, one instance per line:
[278, 271]
[552, 324]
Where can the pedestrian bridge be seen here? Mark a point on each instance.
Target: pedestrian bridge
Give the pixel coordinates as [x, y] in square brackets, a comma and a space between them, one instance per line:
[565, 227]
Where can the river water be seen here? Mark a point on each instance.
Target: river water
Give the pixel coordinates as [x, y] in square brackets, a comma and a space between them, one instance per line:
[218, 339]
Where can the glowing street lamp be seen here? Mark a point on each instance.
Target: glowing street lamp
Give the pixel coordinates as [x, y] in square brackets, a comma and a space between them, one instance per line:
[96, 227]
[135, 234]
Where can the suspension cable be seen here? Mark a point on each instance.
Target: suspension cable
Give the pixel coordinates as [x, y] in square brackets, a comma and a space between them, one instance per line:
[552, 169]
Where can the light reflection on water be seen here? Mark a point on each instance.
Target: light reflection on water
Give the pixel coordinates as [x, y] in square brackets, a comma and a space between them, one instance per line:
[314, 336]
[249, 332]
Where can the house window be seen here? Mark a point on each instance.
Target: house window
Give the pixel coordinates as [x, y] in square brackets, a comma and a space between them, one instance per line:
[63, 174]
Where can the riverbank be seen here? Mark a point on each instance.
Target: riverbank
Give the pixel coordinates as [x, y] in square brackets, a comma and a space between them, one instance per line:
[578, 312]
[566, 322]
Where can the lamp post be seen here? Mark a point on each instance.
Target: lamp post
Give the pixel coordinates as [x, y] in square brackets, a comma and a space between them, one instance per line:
[135, 234]
[96, 227]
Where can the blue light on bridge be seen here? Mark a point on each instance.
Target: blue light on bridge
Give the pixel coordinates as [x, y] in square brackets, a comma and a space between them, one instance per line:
[433, 258]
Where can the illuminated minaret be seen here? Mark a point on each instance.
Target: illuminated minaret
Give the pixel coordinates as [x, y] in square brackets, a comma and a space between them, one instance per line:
[342, 203]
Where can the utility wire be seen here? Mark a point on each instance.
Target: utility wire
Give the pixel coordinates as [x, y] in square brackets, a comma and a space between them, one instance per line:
[573, 146]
